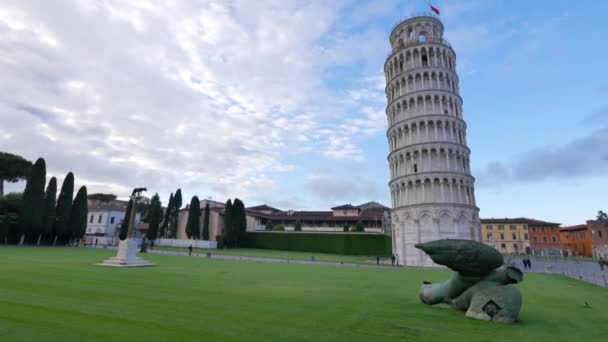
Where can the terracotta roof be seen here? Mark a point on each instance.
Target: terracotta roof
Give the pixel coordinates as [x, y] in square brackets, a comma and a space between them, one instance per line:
[263, 207]
[345, 206]
[572, 228]
[115, 205]
[516, 220]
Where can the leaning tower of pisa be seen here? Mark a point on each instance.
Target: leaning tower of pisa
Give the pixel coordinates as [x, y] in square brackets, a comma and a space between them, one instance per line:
[431, 185]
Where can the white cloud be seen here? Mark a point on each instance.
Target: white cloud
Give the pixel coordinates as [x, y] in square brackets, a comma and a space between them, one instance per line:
[209, 95]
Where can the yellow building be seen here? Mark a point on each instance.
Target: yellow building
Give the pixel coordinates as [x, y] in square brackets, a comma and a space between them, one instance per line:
[508, 235]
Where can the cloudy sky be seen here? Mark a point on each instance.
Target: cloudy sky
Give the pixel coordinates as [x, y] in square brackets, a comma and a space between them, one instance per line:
[282, 102]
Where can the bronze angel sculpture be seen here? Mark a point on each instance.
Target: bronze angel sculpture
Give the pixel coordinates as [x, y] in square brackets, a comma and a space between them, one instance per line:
[481, 284]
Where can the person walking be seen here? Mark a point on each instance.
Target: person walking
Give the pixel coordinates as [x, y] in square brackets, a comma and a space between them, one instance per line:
[190, 250]
[529, 263]
[393, 259]
[523, 261]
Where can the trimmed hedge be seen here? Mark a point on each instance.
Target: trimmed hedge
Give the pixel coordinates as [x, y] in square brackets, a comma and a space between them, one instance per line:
[336, 243]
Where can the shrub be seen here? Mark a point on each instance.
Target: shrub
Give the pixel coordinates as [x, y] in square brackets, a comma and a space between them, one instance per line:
[359, 227]
[338, 243]
[279, 228]
[346, 228]
[269, 225]
[220, 241]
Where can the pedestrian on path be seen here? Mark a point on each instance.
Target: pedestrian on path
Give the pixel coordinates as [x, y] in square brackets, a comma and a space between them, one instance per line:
[529, 263]
[190, 250]
[393, 259]
[523, 261]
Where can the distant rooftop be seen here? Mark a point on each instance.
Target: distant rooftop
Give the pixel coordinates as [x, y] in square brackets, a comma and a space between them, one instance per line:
[521, 220]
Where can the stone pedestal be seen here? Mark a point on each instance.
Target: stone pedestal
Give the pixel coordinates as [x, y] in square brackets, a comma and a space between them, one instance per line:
[126, 256]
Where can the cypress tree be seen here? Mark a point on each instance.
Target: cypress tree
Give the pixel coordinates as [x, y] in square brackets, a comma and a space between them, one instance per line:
[239, 221]
[33, 201]
[155, 217]
[124, 225]
[228, 224]
[64, 208]
[48, 217]
[177, 205]
[206, 222]
[78, 218]
[193, 225]
[164, 228]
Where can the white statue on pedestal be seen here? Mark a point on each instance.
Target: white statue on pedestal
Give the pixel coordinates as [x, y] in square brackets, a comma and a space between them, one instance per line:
[127, 248]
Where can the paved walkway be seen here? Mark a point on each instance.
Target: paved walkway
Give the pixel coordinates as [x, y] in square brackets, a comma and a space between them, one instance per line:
[583, 270]
[271, 260]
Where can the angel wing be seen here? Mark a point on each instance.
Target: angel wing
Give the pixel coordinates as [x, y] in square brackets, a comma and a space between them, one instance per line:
[468, 258]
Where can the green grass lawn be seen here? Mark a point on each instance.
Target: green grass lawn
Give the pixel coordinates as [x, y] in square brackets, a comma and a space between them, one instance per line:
[58, 294]
[276, 254]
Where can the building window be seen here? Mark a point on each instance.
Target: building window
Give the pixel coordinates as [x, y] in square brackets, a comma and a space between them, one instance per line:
[344, 212]
[554, 239]
[526, 236]
[542, 229]
[544, 239]
[112, 220]
[415, 167]
[533, 229]
[513, 236]
[599, 233]
[489, 227]
[92, 218]
[502, 236]
[525, 227]
[503, 247]
[512, 227]
[489, 236]
[535, 238]
[99, 219]
[501, 227]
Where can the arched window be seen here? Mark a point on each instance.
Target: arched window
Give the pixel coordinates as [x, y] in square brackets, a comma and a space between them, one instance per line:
[422, 37]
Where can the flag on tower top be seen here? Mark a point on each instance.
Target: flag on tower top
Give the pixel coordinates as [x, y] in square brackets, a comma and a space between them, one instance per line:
[434, 9]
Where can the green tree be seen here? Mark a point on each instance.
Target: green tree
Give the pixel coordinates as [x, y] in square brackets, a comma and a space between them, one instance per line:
[239, 221]
[64, 208]
[165, 226]
[10, 207]
[206, 222]
[78, 218]
[13, 168]
[228, 224]
[269, 225]
[33, 201]
[124, 225]
[359, 227]
[155, 217]
[193, 225]
[102, 197]
[346, 227]
[48, 216]
[177, 205]
[602, 216]
[298, 226]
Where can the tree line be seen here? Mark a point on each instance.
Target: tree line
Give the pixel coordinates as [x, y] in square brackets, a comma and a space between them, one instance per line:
[38, 215]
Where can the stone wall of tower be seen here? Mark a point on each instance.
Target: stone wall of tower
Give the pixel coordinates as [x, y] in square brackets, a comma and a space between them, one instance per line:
[432, 190]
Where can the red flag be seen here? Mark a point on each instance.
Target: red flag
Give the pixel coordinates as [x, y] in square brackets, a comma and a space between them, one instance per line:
[434, 9]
